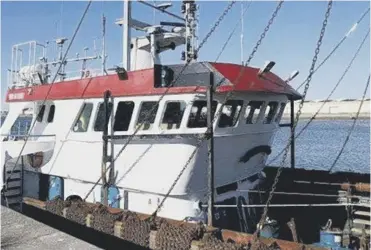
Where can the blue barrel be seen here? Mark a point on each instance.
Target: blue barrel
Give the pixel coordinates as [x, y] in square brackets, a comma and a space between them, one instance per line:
[113, 196]
[330, 239]
[55, 187]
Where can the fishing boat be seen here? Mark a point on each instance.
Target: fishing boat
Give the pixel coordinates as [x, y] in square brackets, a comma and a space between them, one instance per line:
[122, 135]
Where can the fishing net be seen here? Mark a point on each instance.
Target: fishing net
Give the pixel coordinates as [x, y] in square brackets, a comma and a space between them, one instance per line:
[172, 237]
[135, 230]
[169, 236]
[213, 241]
[103, 220]
[55, 206]
[77, 211]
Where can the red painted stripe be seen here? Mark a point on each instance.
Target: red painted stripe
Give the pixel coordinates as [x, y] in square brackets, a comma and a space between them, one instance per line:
[141, 83]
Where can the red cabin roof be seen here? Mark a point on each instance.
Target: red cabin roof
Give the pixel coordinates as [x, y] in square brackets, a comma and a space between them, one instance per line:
[142, 82]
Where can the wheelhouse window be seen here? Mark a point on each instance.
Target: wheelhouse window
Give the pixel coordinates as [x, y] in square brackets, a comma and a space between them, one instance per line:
[123, 116]
[280, 112]
[21, 125]
[82, 123]
[40, 114]
[230, 113]
[51, 113]
[147, 115]
[99, 121]
[198, 115]
[270, 111]
[253, 111]
[173, 115]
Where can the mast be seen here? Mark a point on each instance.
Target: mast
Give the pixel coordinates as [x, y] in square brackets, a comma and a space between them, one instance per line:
[189, 9]
[103, 45]
[126, 35]
[242, 27]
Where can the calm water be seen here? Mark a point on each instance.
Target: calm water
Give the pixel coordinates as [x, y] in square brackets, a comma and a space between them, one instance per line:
[317, 147]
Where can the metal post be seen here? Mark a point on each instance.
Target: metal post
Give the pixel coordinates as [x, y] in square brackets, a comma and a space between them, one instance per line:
[112, 155]
[292, 116]
[242, 30]
[106, 97]
[210, 152]
[126, 36]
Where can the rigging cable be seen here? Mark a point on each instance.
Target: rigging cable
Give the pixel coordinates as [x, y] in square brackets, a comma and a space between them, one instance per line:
[308, 80]
[331, 93]
[154, 108]
[352, 29]
[352, 127]
[221, 108]
[47, 94]
[234, 29]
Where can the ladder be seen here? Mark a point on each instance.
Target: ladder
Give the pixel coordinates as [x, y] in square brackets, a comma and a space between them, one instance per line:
[14, 187]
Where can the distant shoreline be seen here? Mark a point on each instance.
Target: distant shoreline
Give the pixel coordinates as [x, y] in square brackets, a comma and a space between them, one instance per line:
[327, 118]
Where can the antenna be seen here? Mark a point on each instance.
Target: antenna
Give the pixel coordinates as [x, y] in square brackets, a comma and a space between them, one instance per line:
[103, 57]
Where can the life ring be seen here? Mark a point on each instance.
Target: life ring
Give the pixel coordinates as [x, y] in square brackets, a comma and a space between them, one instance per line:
[36, 160]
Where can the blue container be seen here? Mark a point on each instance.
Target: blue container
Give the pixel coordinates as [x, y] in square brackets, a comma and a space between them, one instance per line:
[113, 197]
[55, 187]
[330, 239]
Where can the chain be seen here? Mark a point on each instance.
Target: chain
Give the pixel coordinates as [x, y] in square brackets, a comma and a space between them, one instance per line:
[232, 32]
[225, 12]
[309, 78]
[154, 108]
[262, 36]
[205, 136]
[328, 97]
[4, 187]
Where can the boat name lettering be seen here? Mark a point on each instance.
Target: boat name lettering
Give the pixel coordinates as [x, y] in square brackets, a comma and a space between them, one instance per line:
[15, 96]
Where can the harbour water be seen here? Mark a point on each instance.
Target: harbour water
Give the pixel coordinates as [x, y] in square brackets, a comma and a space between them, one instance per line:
[320, 143]
[316, 148]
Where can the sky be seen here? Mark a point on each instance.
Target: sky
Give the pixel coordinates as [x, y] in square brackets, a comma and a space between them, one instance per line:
[290, 42]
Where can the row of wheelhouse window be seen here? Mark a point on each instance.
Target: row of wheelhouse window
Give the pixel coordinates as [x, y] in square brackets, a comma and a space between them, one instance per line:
[174, 114]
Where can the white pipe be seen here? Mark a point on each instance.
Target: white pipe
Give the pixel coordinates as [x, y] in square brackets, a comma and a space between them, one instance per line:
[126, 35]
[34, 54]
[11, 67]
[29, 54]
